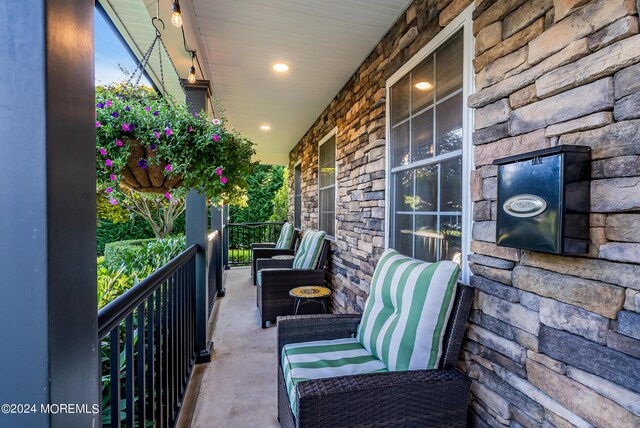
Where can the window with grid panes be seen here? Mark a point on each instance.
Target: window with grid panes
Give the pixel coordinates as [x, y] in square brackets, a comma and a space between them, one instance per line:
[297, 196]
[426, 156]
[327, 186]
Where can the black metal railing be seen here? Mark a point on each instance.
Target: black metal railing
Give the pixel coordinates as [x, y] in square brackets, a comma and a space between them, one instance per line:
[242, 235]
[144, 383]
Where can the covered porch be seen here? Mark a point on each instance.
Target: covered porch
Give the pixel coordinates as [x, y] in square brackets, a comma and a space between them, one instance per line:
[394, 119]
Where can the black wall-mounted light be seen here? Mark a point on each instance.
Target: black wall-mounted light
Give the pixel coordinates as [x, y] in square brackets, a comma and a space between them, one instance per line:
[176, 17]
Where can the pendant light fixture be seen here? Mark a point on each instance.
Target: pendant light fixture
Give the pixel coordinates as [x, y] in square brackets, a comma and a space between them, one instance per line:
[176, 17]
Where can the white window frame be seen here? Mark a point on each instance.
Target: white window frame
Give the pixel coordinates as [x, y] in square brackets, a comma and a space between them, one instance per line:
[332, 133]
[463, 21]
[295, 166]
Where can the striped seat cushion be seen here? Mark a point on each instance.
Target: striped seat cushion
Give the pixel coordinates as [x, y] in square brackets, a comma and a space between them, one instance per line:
[405, 316]
[286, 235]
[322, 359]
[309, 250]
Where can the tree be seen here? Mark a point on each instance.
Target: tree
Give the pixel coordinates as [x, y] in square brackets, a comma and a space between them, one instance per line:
[157, 210]
[263, 185]
[281, 200]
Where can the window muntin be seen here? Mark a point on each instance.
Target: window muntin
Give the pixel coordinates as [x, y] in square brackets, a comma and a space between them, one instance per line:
[426, 156]
[327, 186]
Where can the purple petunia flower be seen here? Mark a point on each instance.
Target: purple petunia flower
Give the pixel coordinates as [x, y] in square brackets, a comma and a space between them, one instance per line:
[98, 124]
[223, 180]
[168, 167]
[219, 171]
[147, 108]
[168, 132]
[103, 151]
[115, 114]
[156, 113]
[167, 195]
[215, 137]
[119, 143]
[112, 177]
[217, 121]
[190, 129]
[142, 163]
[128, 126]
[109, 190]
[108, 162]
[100, 105]
[157, 134]
[152, 146]
[127, 108]
[109, 103]
[195, 114]
[113, 201]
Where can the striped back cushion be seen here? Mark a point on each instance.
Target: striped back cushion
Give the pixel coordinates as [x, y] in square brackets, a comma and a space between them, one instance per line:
[309, 250]
[286, 235]
[406, 314]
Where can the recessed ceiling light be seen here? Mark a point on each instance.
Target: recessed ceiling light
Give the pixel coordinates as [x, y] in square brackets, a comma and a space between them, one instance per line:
[424, 86]
[280, 67]
[265, 127]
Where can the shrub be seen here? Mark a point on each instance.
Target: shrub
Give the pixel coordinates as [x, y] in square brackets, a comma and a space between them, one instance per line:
[123, 252]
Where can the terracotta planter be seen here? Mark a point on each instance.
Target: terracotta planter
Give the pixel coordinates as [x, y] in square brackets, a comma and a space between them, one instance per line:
[151, 179]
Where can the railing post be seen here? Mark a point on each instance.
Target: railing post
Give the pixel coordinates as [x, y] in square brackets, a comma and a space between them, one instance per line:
[225, 236]
[197, 234]
[217, 223]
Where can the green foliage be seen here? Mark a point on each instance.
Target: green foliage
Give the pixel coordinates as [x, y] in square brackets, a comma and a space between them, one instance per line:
[117, 253]
[113, 213]
[263, 186]
[135, 228]
[111, 283]
[203, 153]
[281, 200]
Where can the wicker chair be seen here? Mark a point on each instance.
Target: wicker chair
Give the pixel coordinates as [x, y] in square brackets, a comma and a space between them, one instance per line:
[278, 277]
[266, 250]
[416, 398]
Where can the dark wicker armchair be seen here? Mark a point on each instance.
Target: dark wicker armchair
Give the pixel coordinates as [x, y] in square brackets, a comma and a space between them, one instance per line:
[267, 250]
[417, 398]
[278, 278]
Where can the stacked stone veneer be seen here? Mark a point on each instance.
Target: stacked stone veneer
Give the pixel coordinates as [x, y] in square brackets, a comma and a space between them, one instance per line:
[552, 340]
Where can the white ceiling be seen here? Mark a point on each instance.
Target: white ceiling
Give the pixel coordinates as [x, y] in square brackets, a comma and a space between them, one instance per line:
[324, 41]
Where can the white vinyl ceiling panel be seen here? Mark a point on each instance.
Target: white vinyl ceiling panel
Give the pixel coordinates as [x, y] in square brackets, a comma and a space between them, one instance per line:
[323, 41]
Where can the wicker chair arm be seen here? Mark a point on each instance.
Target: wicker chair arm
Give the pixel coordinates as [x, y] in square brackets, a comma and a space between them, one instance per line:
[263, 245]
[411, 398]
[291, 277]
[273, 264]
[308, 328]
[266, 253]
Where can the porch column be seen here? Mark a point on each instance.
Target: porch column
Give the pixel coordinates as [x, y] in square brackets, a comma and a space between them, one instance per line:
[50, 350]
[197, 97]
[217, 223]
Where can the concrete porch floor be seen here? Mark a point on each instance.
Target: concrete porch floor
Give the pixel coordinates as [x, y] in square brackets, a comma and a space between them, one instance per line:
[238, 387]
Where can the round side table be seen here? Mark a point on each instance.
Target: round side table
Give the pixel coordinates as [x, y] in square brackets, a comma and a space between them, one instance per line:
[309, 293]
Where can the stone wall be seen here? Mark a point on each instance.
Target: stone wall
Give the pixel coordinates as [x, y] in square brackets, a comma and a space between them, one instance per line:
[552, 340]
[359, 113]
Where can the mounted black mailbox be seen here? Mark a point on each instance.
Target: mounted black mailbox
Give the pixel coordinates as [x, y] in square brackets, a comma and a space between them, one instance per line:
[544, 200]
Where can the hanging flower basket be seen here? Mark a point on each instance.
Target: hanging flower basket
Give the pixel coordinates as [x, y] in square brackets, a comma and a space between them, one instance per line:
[149, 178]
[151, 144]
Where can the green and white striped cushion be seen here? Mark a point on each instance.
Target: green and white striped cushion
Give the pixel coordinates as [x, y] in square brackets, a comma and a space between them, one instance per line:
[286, 235]
[325, 358]
[407, 311]
[309, 249]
